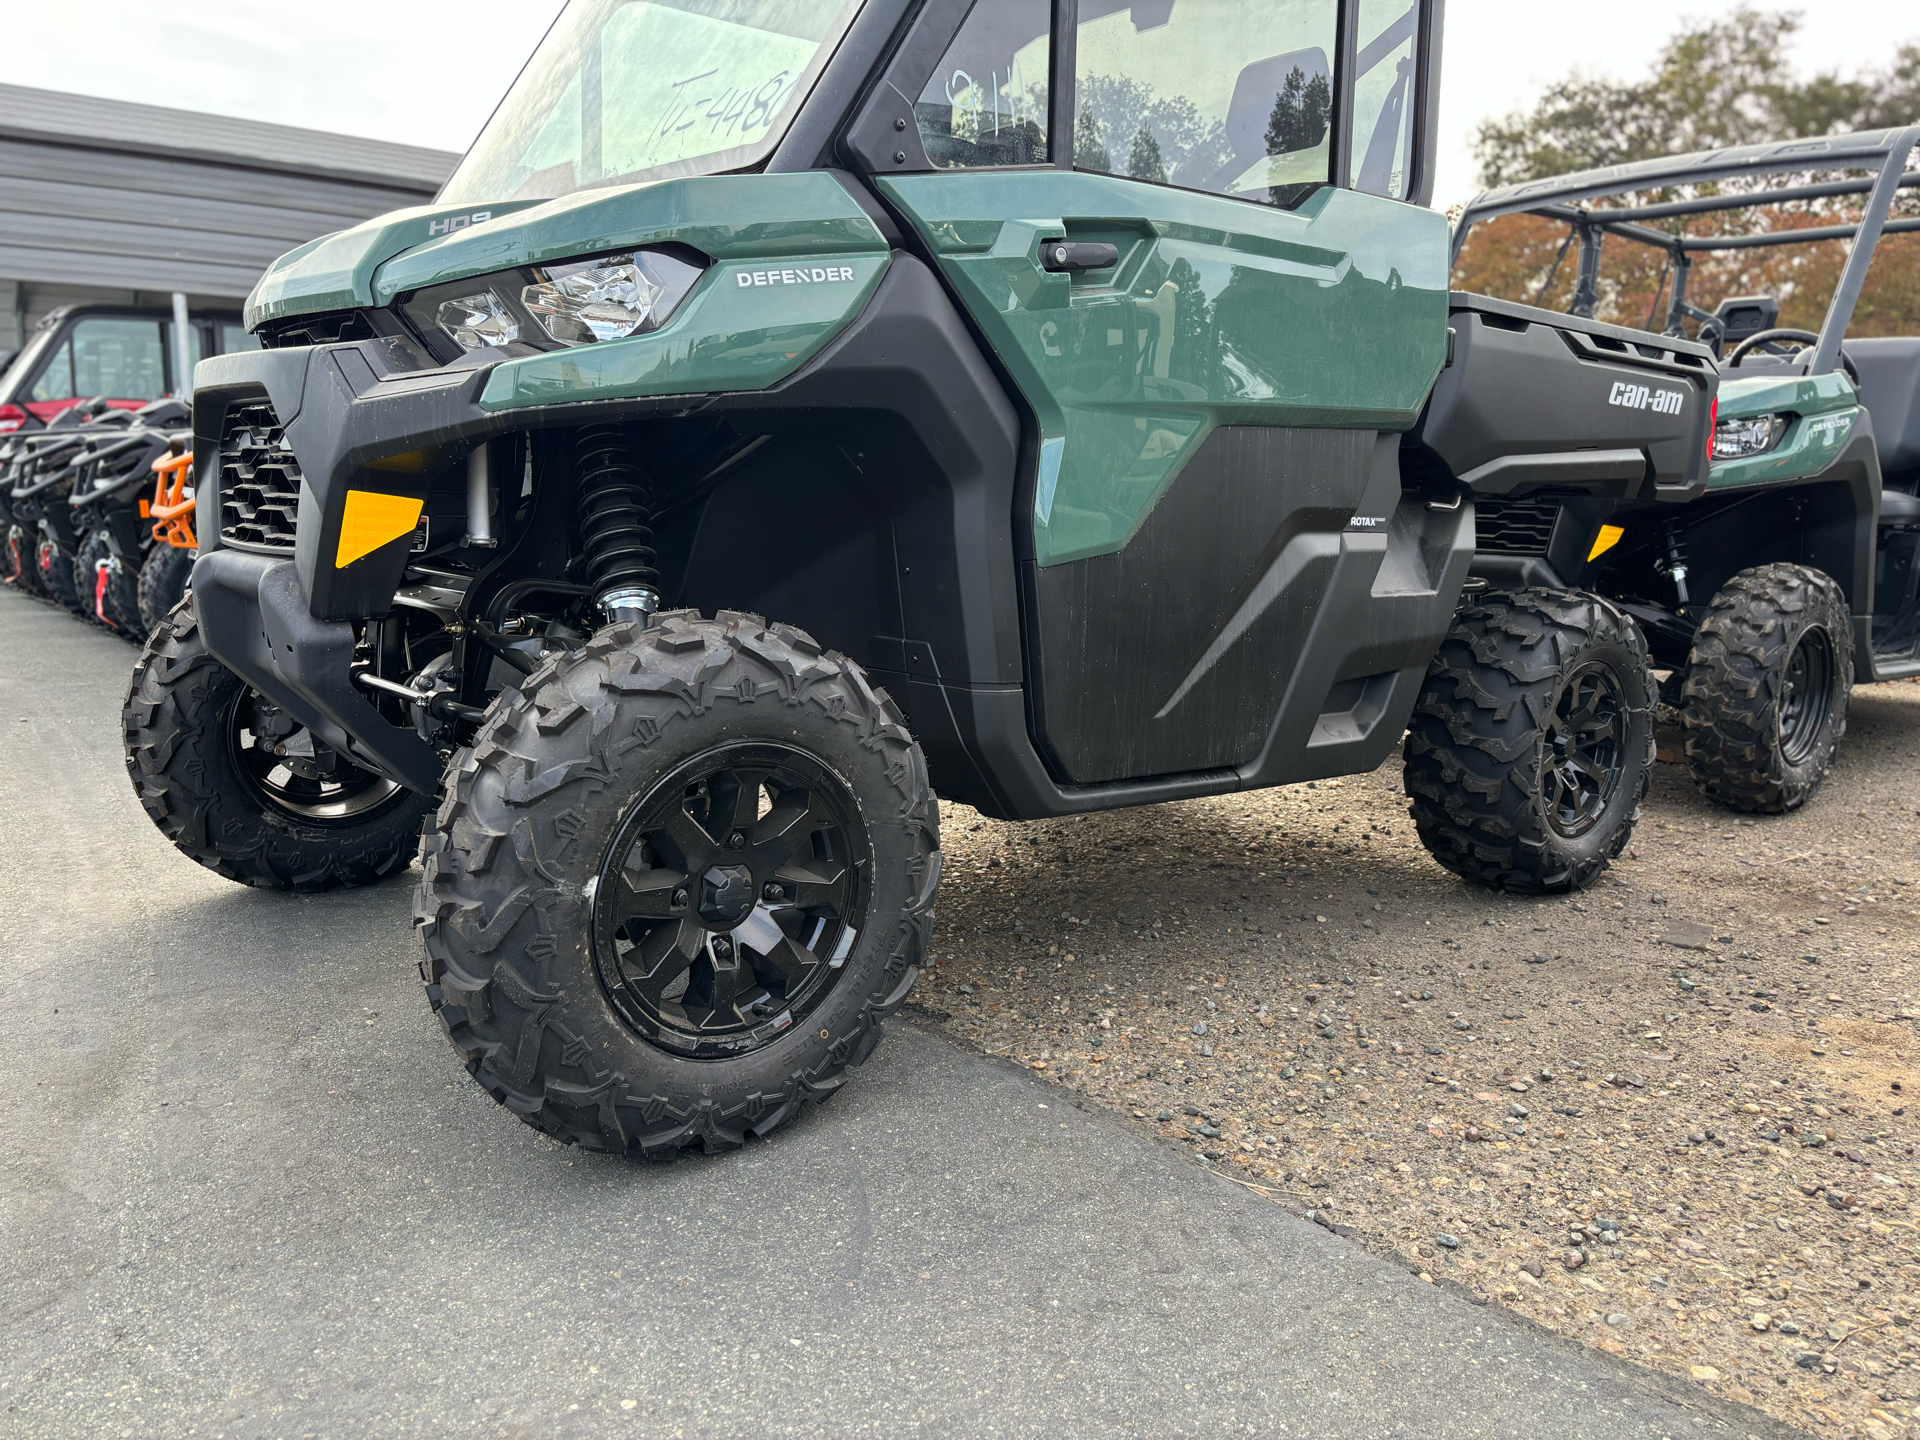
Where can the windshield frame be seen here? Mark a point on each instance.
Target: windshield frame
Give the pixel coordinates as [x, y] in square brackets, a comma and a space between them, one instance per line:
[733, 159]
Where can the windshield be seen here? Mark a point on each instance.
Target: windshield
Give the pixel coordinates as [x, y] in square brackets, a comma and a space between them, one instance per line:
[624, 90]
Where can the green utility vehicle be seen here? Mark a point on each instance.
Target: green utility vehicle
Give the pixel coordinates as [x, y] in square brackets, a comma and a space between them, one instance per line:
[792, 411]
[1787, 570]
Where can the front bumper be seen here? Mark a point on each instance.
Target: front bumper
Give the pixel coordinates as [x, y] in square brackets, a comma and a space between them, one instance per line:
[280, 615]
[375, 415]
[253, 616]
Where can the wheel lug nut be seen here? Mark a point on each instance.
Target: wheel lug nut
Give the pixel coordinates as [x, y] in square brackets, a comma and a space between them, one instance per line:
[772, 892]
[737, 839]
[680, 898]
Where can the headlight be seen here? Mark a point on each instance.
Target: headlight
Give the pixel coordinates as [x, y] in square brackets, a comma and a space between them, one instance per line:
[1736, 437]
[474, 321]
[577, 302]
[601, 300]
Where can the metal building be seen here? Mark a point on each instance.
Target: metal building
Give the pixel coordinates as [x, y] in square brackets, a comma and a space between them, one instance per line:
[135, 204]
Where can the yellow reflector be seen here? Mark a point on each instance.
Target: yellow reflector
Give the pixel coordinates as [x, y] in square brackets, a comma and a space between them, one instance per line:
[370, 520]
[1604, 542]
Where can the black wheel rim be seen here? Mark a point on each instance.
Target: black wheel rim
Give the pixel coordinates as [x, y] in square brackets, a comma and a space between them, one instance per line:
[1807, 692]
[1585, 750]
[729, 900]
[293, 773]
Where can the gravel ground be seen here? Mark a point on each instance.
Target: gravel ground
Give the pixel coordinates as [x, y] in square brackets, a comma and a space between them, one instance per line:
[1672, 1117]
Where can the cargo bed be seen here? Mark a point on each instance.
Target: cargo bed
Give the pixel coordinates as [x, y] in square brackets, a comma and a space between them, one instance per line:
[1532, 400]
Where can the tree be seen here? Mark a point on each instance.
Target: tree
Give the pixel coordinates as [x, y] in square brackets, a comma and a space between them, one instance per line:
[1299, 118]
[1089, 153]
[1717, 83]
[1145, 162]
[1297, 122]
[1191, 147]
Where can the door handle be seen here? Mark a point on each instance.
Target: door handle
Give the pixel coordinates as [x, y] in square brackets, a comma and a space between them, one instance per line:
[1067, 255]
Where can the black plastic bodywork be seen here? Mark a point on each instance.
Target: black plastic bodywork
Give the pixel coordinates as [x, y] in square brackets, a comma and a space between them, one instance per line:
[1531, 399]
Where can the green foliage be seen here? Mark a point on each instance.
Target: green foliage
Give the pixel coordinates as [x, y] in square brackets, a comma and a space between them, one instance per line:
[1145, 161]
[1089, 153]
[1188, 147]
[1299, 118]
[1717, 83]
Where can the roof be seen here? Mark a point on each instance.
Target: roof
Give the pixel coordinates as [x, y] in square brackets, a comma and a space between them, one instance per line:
[142, 197]
[159, 130]
[1863, 150]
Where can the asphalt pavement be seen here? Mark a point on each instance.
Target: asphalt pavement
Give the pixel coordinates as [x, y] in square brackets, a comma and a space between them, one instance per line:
[246, 1190]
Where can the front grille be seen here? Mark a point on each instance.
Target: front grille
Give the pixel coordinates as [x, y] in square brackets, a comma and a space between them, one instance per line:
[259, 479]
[328, 328]
[1514, 527]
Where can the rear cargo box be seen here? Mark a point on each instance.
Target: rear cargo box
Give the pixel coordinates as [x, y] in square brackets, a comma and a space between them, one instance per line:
[1531, 400]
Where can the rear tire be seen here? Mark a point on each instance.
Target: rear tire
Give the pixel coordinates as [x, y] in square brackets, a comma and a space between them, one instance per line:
[569, 875]
[164, 578]
[1766, 699]
[1532, 741]
[192, 733]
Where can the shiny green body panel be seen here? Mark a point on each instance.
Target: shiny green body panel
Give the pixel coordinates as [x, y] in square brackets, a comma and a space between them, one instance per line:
[729, 334]
[336, 272]
[729, 217]
[1824, 407]
[1221, 312]
[726, 336]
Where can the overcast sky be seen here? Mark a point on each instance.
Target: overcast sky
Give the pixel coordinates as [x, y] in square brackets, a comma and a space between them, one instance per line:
[428, 72]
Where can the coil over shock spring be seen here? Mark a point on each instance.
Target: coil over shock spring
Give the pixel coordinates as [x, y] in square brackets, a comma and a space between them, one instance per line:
[617, 523]
[1677, 561]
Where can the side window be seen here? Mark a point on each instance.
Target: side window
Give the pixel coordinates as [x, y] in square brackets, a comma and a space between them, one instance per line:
[1163, 93]
[234, 337]
[120, 359]
[1384, 97]
[986, 104]
[56, 381]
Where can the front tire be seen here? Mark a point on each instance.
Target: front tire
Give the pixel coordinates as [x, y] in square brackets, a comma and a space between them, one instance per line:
[164, 578]
[200, 750]
[1766, 699]
[1532, 741]
[677, 883]
[108, 589]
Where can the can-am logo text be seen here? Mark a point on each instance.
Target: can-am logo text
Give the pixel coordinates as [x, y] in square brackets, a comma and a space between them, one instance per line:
[1642, 397]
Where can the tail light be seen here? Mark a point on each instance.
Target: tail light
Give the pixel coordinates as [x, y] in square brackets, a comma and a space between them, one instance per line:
[1714, 419]
[12, 417]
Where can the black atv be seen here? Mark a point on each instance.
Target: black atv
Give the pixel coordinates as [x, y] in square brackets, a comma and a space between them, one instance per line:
[713, 477]
[1786, 571]
[111, 495]
[43, 541]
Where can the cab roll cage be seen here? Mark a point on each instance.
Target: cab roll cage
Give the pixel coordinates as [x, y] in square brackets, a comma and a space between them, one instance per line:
[1884, 152]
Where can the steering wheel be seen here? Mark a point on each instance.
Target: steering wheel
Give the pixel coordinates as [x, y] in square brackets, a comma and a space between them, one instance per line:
[1775, 337]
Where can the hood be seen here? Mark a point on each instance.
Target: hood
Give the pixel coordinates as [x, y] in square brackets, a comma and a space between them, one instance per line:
[335, 272]
[727, 217]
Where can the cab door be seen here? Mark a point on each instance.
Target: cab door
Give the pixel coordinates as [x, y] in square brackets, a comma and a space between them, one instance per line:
[1138, 205]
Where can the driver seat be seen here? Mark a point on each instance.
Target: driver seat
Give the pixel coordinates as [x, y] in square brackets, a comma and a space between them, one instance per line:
[1740, 316]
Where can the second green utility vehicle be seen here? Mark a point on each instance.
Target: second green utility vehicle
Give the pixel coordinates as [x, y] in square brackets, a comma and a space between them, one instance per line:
[791, 412]
[1787, 572]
